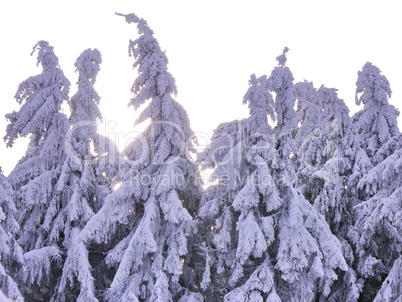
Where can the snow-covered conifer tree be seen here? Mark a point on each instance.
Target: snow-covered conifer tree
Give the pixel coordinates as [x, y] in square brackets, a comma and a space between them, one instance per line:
[233, 209]
[282, 248]
[376, 123]
[325, 150]
[378, 226]
[78, 187]
[326, 154]
[376, 185]
[308, 110]
[391, 289]
[337, 150]
[308, 255]
[11, 255]
[308, 140]
[147, 220]
[35, 176]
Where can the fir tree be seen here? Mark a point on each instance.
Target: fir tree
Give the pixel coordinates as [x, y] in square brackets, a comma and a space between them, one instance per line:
[373, 234]
[308, 140]
[378, 226]
[269, 241]
[391, 288]
[308, 255]
[11, 255]
[237, 234]
[146, 222]
[35, 177]
[326, 153]
[376, 123]
[78, 185]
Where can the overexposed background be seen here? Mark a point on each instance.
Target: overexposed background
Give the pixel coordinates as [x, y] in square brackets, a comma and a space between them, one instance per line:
[212, 47]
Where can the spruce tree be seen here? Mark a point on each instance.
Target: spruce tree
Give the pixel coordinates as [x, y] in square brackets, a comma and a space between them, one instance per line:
[373, 234]
[376, 123]
[326, 154]
[308, 255]
[309, 158]
[377, 230]
[147, 221]
[35, 177]
[78, 185]
[391, 288]
[267, 242]
[233, 209]
[11, 255]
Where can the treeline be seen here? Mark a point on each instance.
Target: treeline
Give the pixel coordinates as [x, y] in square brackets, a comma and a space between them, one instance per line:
[304, 204]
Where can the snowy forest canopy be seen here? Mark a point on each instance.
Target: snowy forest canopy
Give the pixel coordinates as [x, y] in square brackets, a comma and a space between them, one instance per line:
[304, 202]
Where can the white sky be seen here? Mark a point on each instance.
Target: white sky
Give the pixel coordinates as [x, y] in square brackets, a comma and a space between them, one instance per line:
[212, 46]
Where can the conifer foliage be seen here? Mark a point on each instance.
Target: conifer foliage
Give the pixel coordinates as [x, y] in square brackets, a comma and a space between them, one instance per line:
[308, 254]
[11, 256]
[78, 184]
[36, 175]
[376, 123]
[153, 207]
[233, 211]
[378, 227]
[303, 203]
